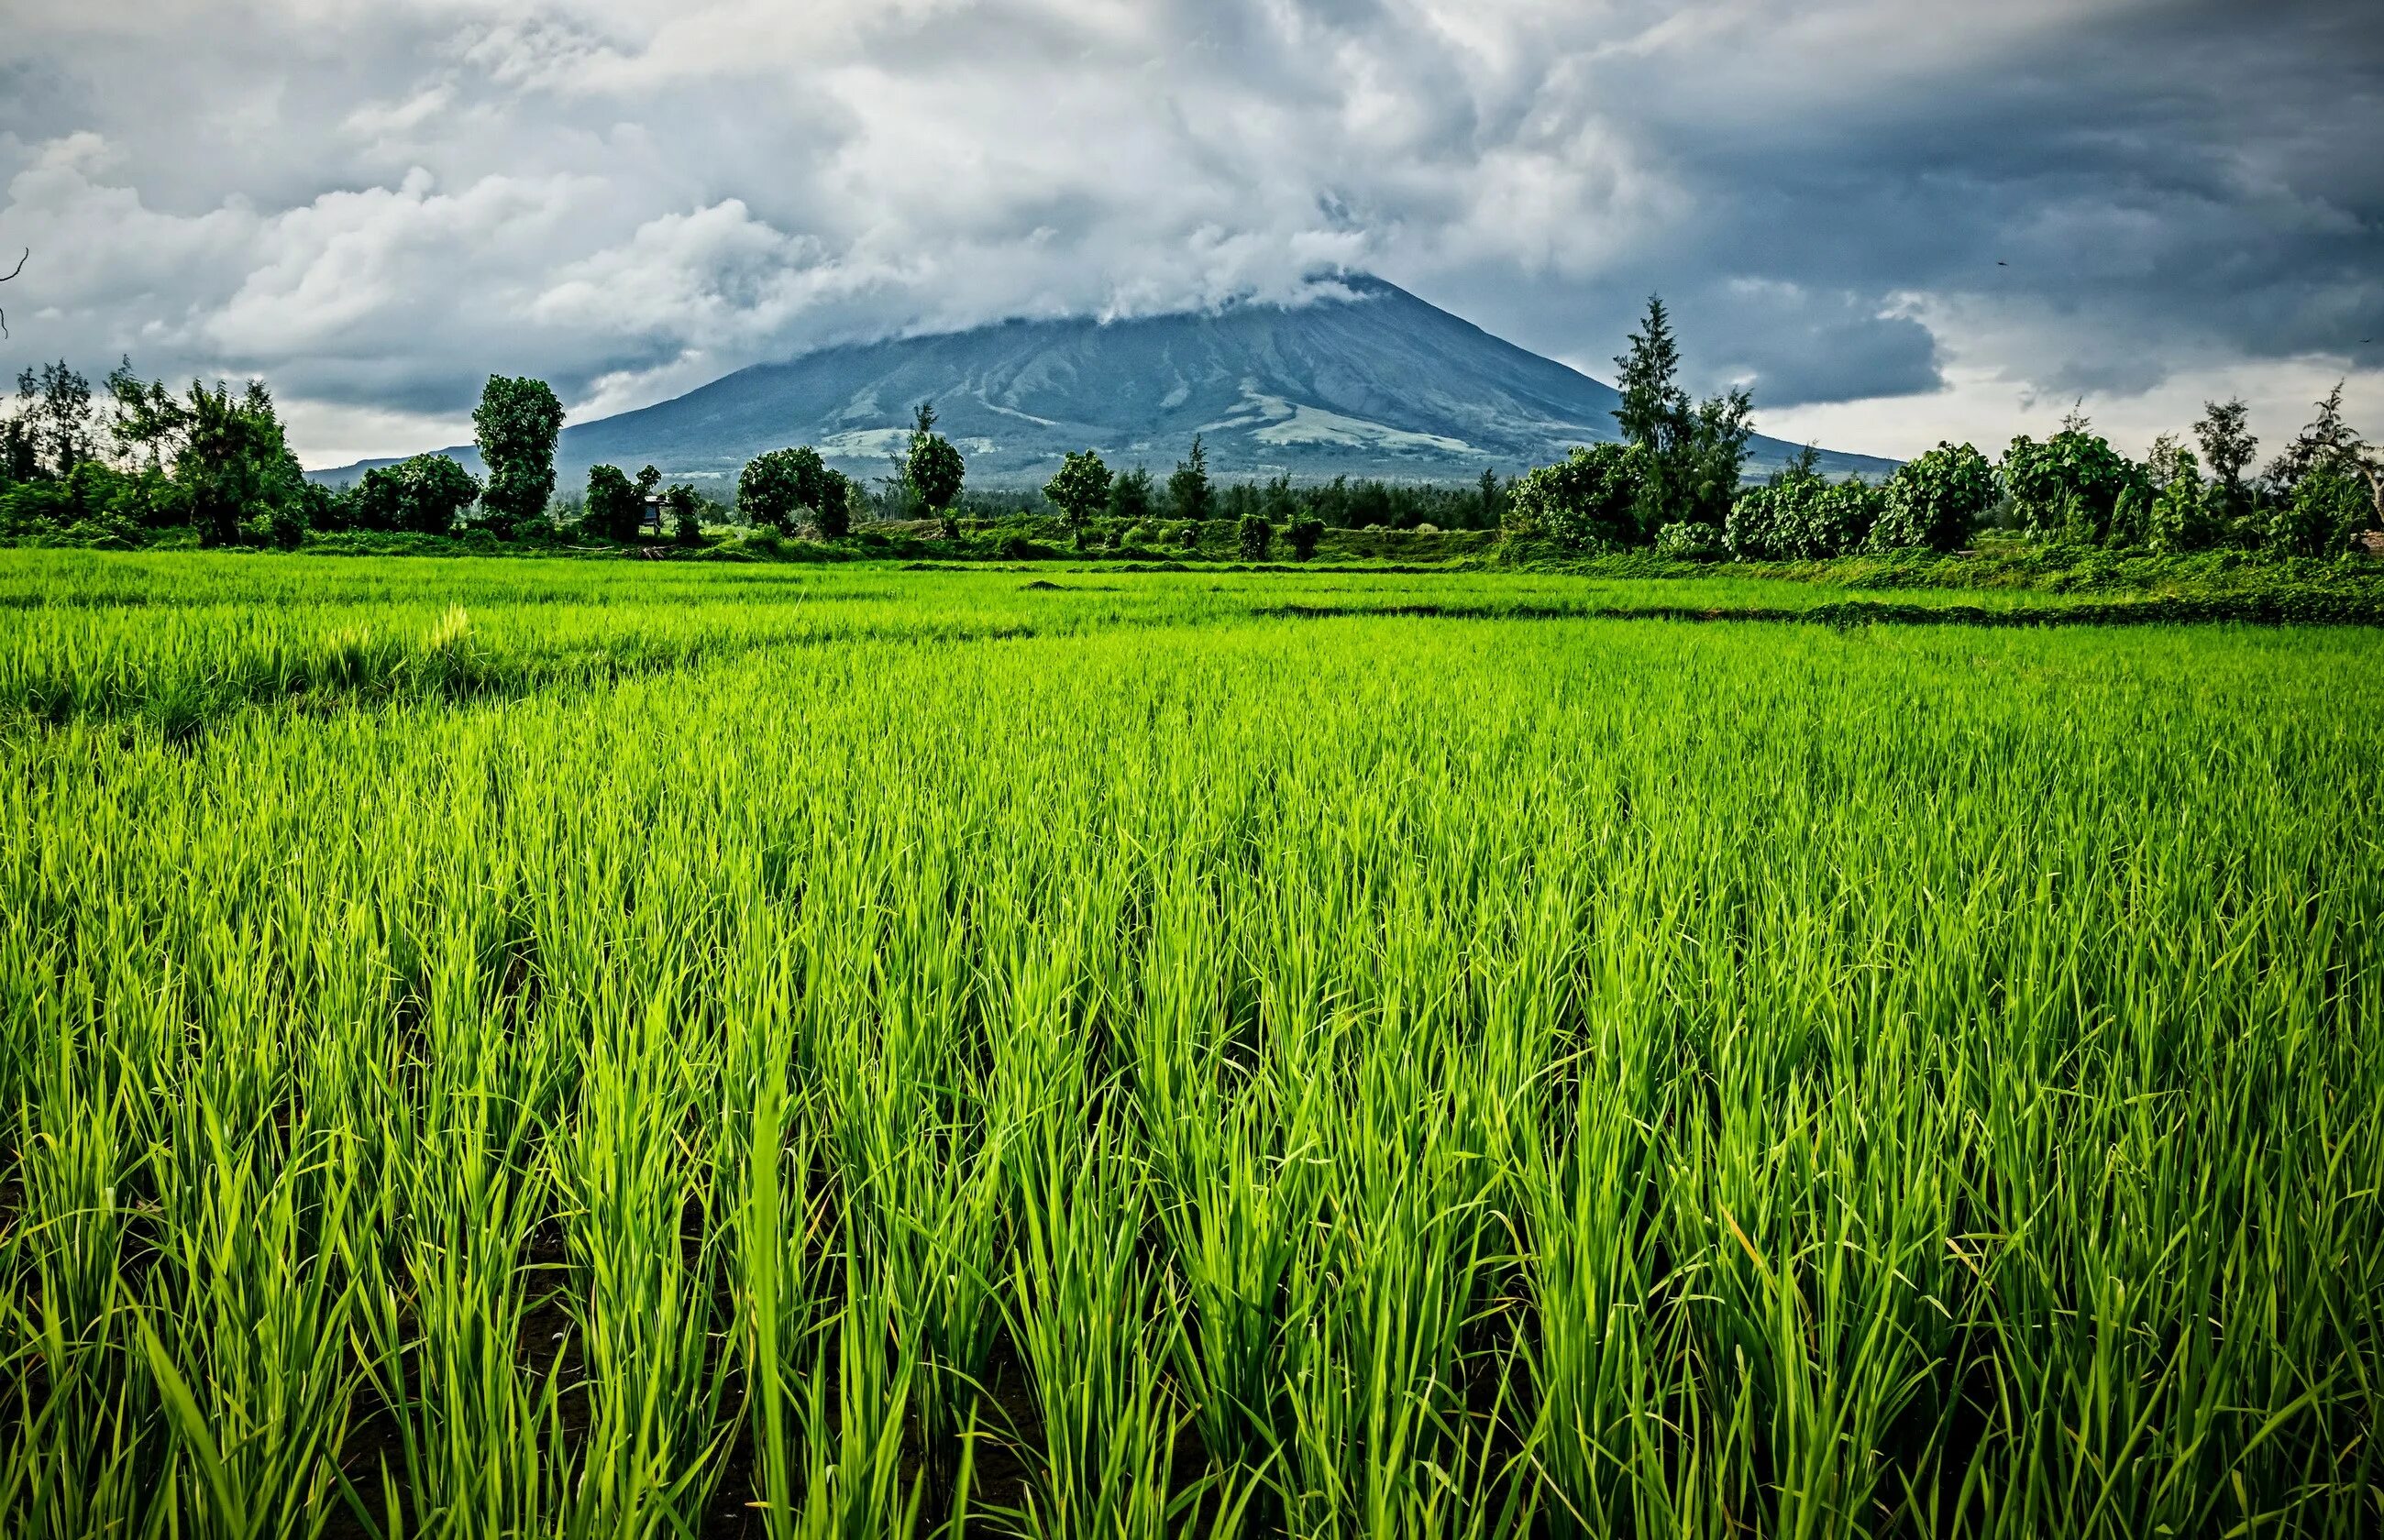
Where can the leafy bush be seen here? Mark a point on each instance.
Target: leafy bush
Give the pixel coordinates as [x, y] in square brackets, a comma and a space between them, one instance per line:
[1690, 540]
[2067, 487]
[1587, 502]
[1934, 501]
[1256, 537]
[1303, 534]
[2326, 509]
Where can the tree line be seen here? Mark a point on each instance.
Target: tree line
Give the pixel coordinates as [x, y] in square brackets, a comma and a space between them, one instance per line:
[1673, 485]
[137, 457]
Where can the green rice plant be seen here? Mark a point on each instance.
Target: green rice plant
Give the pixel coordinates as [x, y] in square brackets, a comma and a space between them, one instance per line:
[1083, 1313]
[849, 1050]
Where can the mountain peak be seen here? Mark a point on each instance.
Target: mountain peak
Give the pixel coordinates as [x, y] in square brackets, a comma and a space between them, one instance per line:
[1369, 381]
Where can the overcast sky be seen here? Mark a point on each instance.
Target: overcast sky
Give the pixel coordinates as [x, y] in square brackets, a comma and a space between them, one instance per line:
[1898, 221]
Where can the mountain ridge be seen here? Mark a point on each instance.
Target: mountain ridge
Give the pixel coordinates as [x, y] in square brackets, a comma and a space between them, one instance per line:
[1375, 382]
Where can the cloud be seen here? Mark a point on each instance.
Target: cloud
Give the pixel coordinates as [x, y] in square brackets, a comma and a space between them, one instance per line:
[378, 203]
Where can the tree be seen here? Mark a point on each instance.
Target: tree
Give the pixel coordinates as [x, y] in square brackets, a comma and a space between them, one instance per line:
[1130, 497]
[1654, 411]
[1079, 491]
[1587, 502]
[1188, 494]
[1304, 534]
[686, 510]
[1695, 454]
[516, 426]
[423, 495]
[1256, 537]
[1493, 499]
[2328, 443]
[2228, 445]
[2181, 518]
[778, 486]
[615, 507]
[1934, 502]
[234, 463]
[1709, 461]
[1800, 516]
[53, 402]
[933, 470]
[833, 512]
[148, 423]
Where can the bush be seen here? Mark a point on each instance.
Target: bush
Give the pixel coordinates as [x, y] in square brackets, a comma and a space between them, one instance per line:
[1587, 502]
[1690, 540]
[1256, 537]
[2324, 512]
[2067, 487]
[1934, 502]
[1303, 535]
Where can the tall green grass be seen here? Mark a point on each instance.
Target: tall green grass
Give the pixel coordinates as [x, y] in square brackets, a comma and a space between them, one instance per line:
[1182, 1072]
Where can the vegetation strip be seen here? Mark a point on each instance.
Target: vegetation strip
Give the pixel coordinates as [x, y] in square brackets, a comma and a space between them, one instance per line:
[2314, 609]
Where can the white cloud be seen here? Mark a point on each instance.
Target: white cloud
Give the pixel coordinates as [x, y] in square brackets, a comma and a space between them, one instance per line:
[375, 202]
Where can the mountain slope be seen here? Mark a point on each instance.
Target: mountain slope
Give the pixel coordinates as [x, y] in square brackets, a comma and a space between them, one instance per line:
[1377, 384]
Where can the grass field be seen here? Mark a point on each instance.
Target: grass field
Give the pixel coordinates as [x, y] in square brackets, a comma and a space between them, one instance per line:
[528, 1048]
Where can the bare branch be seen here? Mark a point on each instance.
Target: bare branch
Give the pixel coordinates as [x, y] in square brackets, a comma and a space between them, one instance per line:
[18, 269]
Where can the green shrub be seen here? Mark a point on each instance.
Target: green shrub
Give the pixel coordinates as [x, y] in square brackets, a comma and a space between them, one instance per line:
[1690, 540]
[1254, 537]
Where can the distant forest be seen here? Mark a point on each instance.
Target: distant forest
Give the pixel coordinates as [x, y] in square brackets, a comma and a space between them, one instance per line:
[136, 463]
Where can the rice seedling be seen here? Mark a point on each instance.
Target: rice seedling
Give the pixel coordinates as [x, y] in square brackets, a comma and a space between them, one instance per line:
[516, 1049]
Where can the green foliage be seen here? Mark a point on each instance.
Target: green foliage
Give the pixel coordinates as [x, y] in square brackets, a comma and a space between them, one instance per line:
[840, 1057]
[1130, 496]
[1188, 493]
[1800, 516]
[2067, 487]
[613, 507]
[235, 464]
[1654, 411]
[1254, 537]
[1686, 541]
[1303, 535]
[776, 487]
[1695, 454]
[1934, 501]
[54, 423]
[934, 469]
[2182, 518]
[686, 511]
[423, 495]
[2227, 444]
[1079, 491]
[1587, 502]
[516, 426]
[2326, 507]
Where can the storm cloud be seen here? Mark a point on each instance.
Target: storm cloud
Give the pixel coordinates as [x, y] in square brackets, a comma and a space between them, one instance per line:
[1894, 222]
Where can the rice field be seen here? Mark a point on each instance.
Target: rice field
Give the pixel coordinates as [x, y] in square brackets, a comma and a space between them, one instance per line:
[502, 1049]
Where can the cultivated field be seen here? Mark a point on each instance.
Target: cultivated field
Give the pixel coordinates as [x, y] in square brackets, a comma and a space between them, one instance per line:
[522, 1049]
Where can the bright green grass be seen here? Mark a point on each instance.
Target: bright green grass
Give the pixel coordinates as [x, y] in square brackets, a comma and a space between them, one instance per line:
[722, 1050]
